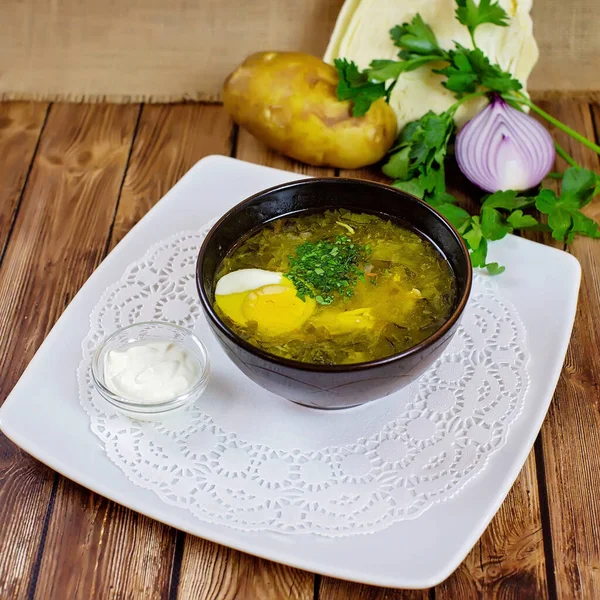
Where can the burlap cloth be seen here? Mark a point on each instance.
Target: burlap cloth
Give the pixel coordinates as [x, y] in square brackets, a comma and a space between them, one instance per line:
[172, 50]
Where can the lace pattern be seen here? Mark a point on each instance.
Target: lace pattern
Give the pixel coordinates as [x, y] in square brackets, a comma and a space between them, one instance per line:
[245, 458]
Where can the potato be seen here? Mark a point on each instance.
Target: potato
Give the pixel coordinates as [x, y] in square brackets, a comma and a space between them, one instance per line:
[288, 100]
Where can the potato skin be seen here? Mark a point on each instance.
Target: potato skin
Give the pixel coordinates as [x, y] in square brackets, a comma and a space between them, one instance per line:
[288, 100]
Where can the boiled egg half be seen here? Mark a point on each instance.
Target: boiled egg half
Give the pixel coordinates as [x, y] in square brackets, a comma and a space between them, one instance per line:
[265, 297]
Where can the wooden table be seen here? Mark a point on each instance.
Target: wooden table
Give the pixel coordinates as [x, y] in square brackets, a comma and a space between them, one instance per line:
[73, 180]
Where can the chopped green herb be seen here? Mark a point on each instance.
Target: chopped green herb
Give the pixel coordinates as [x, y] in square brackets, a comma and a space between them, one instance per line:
[326, 269]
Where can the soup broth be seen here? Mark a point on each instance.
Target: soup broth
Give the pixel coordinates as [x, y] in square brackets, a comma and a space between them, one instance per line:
[335, 287]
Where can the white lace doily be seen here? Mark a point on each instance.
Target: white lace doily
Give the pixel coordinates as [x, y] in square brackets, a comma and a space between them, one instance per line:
[248, 459]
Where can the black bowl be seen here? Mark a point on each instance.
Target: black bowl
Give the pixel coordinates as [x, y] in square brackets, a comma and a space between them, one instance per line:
[338, 386]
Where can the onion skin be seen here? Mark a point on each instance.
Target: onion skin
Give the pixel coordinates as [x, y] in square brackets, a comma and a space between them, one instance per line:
[503, 148]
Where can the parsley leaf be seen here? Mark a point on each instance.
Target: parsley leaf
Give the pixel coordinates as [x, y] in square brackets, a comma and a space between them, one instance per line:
[474, 235]
[472, 15]
[417, 186]
[471, 229]
[469, 69]
[428, 141]
[493, 224]
[479, 254]
[461, 77]
[349, 73]
[517, 220]
[508, 200]
[355, 85]
[398, 164]
[416, 39]
[564, 217]
[382, 70]
[439, 197]
[416, 163]
[435, 131]
[582, 225]
[494, 268]
[478, 230]
[578, 186]
[458, 216]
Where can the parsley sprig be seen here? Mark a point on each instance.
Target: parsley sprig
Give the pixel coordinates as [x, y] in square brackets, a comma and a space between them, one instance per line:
[472, 15]
[565, 218]
[417, 161]
[417, 166]
[466, 69]
[328, 268]
[503, 212]
[356, 85]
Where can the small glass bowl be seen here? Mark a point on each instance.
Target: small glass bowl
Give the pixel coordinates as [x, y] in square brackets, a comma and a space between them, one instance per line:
[154, 331]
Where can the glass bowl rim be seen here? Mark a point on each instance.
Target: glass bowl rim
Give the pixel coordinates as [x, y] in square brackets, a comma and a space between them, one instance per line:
[151, 407]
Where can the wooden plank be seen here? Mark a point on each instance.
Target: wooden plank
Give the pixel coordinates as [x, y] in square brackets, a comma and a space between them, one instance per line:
[25, 491]
[20, 127]
[169, 141]
[571, 431]
[98, 549]
[209, 571]
[58, 238]
[108, 549]
[336, 589]
[508, 560]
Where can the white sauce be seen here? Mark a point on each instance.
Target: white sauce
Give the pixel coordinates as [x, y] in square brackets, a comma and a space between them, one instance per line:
[150, 372]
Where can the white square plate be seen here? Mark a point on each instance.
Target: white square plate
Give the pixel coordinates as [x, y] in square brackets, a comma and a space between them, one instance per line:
[44, 417]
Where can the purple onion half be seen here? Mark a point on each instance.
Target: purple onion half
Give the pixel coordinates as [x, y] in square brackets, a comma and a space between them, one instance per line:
[503, 148]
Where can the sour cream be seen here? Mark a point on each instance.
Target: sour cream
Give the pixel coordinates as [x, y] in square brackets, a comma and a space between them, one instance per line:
[150, 372]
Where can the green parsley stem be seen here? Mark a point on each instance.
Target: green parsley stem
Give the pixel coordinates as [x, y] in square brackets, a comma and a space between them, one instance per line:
[554, 175]
[472, 34]
[580, 138]
[442, 180]
[565, 155]
[466, 98]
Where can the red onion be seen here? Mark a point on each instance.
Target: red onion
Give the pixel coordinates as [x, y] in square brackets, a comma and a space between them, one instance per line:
[502, 148]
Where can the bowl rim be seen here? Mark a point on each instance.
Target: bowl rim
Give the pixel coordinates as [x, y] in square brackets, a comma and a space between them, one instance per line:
[314, 367]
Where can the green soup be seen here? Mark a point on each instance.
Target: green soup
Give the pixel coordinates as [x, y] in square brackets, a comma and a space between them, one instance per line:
[354, 287]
